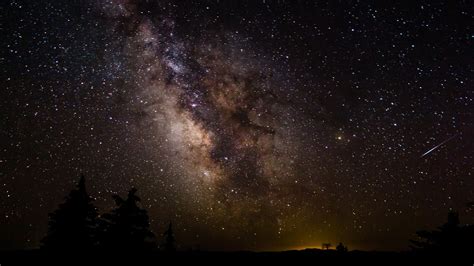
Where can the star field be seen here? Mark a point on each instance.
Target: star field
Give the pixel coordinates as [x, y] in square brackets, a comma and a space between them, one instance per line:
[261, 125]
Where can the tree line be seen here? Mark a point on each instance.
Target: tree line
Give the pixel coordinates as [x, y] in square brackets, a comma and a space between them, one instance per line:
[77, 225]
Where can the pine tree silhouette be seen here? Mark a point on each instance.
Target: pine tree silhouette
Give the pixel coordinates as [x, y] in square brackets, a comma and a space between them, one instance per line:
[169, 245]
[72, 226]
[126, 226]
[451, 237]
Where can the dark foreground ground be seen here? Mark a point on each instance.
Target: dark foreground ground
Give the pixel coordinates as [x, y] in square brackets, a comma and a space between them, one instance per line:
[303, 257]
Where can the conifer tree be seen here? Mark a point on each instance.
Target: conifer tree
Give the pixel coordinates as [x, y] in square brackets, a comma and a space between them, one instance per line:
[126, 226]
[73, 225]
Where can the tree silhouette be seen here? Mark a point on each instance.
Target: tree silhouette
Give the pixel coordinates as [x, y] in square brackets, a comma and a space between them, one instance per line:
[326, 246]
[169, 245]
[72, 226]
[341, 248]
[126, 226]
[451, 237]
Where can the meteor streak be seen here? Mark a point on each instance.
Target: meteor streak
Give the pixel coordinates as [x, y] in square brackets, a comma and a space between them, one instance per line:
[437, 146]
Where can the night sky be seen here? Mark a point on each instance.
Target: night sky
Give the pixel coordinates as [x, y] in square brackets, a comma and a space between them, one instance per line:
[260, 125]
